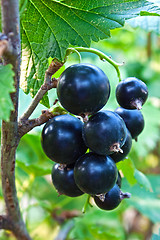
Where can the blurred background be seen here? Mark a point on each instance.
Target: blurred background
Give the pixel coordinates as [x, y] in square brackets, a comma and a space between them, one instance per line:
[138, 218]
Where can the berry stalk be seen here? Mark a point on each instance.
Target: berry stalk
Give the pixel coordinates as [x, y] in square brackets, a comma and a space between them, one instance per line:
[101, 55]
[86, 204]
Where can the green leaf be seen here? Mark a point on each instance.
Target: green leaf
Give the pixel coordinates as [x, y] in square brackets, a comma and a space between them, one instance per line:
[142, 180]
[133, 175]
[98, 225]
[148, 207]
[30, 150]
[146, 202]
[128, 169]
[34, 169]
[59, 72]
[155, 182]
[143, 13]
[49, 27]
[43, 189]
[6, 87]
[31, 158]
[147, 141]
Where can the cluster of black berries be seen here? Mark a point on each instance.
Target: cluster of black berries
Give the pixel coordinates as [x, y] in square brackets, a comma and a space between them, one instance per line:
[83, 89]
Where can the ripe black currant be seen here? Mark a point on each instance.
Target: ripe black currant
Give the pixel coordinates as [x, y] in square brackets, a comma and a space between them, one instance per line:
[63, 180]
[83, 88]
[112, 199]
[131, 93]
[62, 139]
[95, 174]
[118, 156]
[105, 132]
[133, 119]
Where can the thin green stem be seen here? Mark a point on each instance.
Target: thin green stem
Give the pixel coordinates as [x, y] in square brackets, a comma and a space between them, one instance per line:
[72, 50]
[86, 204]
[101, 55]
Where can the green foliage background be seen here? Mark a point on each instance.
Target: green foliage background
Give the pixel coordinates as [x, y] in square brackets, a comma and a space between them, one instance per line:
[41, 206]
[44, 212]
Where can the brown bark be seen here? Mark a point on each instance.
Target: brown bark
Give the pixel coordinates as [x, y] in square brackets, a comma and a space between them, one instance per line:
[9, 139]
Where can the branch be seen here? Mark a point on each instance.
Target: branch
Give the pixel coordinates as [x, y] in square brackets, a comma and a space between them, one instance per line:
[27, 125]
[42, 91]
[5, 223]
[48, 84]
[9, 136]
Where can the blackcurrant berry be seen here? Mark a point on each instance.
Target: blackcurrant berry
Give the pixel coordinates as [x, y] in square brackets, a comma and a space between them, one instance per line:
[63, 180]
[62, 139]
[133, 119]
[112, 199]
[83, 88]
[131, 93]
[118, 156]
[95, 174]
[105, 132]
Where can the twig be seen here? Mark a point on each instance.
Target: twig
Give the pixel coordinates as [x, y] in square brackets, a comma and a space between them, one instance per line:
[48, 84]
[27, 125]
[42, 91]
[5, 223]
